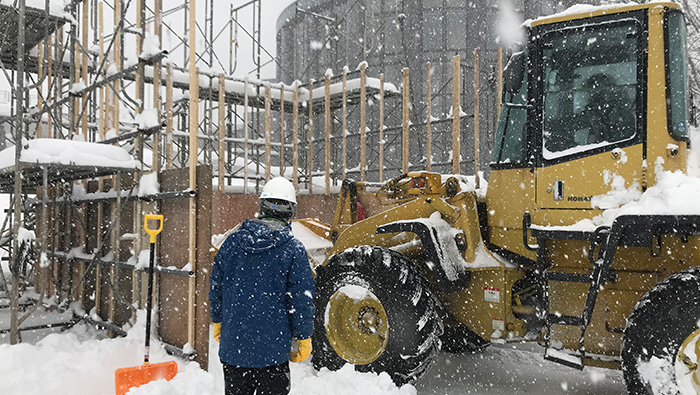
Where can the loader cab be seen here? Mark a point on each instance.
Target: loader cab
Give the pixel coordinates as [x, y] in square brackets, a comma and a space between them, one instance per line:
[592, 103]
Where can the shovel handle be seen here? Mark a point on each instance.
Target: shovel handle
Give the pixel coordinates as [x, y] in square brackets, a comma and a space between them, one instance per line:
[153, 232]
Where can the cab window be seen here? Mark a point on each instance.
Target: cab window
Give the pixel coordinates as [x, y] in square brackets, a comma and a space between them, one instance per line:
[591, 88]
[510, 136]
[677, 76]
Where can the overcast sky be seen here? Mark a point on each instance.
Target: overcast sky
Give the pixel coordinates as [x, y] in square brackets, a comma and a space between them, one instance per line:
[271, 9]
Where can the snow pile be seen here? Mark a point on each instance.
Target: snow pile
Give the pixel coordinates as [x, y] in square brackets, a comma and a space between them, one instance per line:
[658, 373]
[69, 152]
[468, 183]
[148, 185]
[674, 193]
[82, 361]
[147, 119]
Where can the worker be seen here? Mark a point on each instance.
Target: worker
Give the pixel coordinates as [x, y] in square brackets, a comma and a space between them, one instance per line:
[261, 295]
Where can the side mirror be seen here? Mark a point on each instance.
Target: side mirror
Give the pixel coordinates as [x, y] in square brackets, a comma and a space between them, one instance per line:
[514, 72]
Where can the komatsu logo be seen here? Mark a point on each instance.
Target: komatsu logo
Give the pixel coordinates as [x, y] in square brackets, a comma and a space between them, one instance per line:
[580, 198]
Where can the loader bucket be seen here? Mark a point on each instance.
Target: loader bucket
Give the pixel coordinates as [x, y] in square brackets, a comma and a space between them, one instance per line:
[127, 378]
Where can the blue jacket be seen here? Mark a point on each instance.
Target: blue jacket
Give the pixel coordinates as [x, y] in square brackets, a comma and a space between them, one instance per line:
[261, 290]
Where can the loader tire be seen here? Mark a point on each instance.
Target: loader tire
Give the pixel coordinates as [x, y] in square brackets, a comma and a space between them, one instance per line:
[375, 311]
[662, 326]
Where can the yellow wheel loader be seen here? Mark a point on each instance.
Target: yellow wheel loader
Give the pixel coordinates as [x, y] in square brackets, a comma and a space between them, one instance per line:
[596, 109]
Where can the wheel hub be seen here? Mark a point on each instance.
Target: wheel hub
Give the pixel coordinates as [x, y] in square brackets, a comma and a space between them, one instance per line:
[356, 325]
[368, 320]
[687, 372]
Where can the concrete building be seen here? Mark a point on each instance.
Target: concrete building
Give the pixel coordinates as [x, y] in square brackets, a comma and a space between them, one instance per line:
[390, 35]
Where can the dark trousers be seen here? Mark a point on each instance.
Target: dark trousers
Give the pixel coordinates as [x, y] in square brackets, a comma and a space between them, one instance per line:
[270, 380]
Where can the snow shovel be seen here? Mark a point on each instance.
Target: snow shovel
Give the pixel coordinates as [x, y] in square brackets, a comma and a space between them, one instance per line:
[127, 378]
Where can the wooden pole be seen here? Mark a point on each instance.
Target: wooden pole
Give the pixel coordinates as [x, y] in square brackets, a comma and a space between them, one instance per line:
[245, 136]
[282, 139]
[476, 118]
[157, 31]
[101, 94]
[405, 130]
[499, 83]
[381, 127]
[327, 130]
[456, 146]
[84, 57]
[345, 122]
[117, 47]
[58, 86]
[194, 129]
[222, 130]
[268, 145]
[40, 99]
[49, 80]
[363, 120]
[295, 136]
[101, 132]
[428, 124]
[310, 164]
[169, 116]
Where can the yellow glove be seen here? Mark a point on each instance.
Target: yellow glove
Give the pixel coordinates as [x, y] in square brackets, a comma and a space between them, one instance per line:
[217, 331]
[304, 351]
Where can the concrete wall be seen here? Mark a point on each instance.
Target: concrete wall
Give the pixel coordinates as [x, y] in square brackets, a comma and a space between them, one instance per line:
[229, 210]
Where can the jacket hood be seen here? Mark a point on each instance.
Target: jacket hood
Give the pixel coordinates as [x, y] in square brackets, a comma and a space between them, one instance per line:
[259, 236]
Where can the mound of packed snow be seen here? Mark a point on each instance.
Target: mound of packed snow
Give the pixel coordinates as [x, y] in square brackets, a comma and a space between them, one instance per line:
[82, 361]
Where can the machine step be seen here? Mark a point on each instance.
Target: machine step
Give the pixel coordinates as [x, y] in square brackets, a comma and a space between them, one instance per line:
[564, 358]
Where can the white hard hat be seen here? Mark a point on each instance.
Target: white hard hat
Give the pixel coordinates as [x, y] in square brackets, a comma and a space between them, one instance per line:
[279, 188]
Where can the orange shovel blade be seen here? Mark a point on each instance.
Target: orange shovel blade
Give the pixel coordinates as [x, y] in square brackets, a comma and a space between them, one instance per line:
[127, 378]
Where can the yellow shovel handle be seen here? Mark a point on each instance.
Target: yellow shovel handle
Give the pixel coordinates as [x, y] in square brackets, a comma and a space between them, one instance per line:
[153, 232]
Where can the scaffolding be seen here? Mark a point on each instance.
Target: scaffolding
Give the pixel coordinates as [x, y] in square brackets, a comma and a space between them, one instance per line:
[189, 117]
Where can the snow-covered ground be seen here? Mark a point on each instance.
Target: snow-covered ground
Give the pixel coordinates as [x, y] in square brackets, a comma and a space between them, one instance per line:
[82, 361]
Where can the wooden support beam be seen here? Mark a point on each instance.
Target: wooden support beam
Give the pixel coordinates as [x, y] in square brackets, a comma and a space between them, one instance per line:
[117, 51]
[456, 144]
[381, 128]
[345, 121]
[295, 136]
[40, 75]
[327, 130]
[363, 120]
[58, 86]
[310, 164]
[193, 150]
[282, 133]
[476, 118]
[499, 83]
[268, 145]
[84, 67]
[49, 81]
[245, 136]
[428, 123]
[101, 92]
[222, 131]
[158, 32]
[169, 116]
[405, 119]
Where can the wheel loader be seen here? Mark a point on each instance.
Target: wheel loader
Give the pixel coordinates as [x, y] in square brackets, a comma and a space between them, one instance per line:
[595, 112]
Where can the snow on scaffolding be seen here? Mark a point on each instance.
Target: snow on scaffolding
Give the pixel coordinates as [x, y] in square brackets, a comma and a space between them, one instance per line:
[66, 160]
[56, 7]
